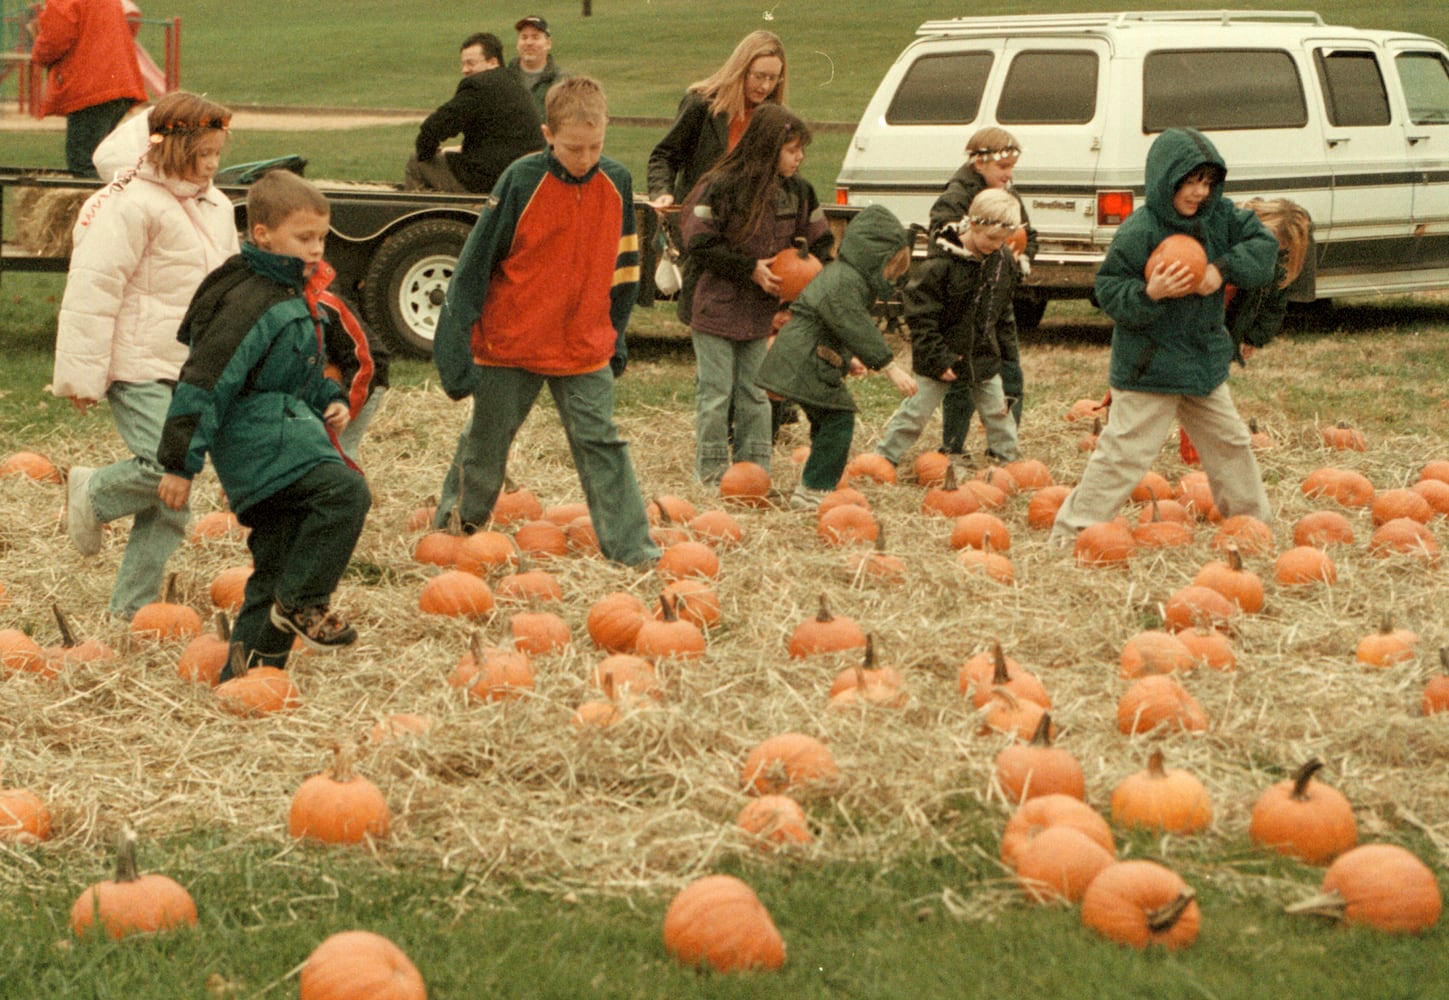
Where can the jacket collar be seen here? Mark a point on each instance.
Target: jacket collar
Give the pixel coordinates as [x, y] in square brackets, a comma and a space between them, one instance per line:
[558, 170]
[285, 269]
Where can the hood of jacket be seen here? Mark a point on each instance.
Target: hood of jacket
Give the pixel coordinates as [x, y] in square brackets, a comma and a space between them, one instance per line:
[870, 241]
[1175, 154]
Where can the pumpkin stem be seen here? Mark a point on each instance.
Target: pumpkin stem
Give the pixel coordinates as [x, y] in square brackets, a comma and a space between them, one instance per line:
[1444, 658]
[1235, 558]
[999, 672]
[1252, 425]
[475, 647]
[1386, 625]
[1155, 766]
[1303, 775]
[949, 483]
[1096, 426]
[168, 592]
[344, 753]
[802, 246]
[824, 615]
[1325, 904]
[1164, 918]
[126, 868]
[454, 524]
[667, 608]
[1154, 514]
[67, 636]
[223, 626]
[879, 542]
[1043, 735]
[607, 683]
[869, 653]
[664, 517]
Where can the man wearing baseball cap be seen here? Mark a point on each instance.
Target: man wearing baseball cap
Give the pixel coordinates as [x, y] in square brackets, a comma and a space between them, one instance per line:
[534, 68]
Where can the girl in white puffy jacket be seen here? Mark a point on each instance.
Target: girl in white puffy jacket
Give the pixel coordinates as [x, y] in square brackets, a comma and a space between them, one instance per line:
[141, 246]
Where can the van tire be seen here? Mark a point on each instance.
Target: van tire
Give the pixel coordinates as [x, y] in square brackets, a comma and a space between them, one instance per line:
[1028, 312]
[402, 292]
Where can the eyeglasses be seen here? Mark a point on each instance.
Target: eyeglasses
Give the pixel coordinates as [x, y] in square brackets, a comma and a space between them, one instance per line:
[757, 77]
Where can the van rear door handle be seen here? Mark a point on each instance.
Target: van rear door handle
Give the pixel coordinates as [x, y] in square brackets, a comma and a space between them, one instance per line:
[1413, 139]
[1337, 141]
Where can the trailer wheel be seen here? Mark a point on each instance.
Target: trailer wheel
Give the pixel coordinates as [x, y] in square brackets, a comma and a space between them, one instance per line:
[402, 293]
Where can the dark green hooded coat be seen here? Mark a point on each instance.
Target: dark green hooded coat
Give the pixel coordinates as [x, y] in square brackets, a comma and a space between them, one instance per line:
[834, 313]
[1179, 346]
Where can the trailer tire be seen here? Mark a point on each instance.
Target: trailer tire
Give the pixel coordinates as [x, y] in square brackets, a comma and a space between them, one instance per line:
[403, 289]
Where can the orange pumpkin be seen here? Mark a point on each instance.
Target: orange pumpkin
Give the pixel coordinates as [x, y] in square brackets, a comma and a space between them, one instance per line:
[544, 538]
[1436, 691]
[1086, 409]
[1406, 537]
[1107, 544]
[981, 531]
[513, 506]
[1241, 586]
[693, 600]
[1304, 818]
[166, 618]
[215, 525]
[529, 585]
[1435, 493]
[719, 922]
[1153, 486]
[825, 633]
[745, 484]
[775, 819]
[717, 528]
[1244, 532]
[228, 588]
[1390, 504]
[1342, 437]
[1209, 647]
[560, 514]
[877, 564]
[486, 552]
[1195, 605]
[930, 468]
[132, 903]
[455, 593]
[1158, 700]
[1041, 510]
[351, 965]
[1304, 565]
[1387, 645]
[20, 653]
[1042, 812]
[1030, 770]
[1030, 474]
[847, 524]
[1155, 651]
[867, 684]
[992, 564]
[614, 621]
[30, 465]
[539, 633]
[596, 714]
[338, 806]
[1142, 903]
[253, 691]
[205, 657]
[626, 677]
[491, 673]
[1156, 798]
[1005, 675]
[24, 818]
[789, 762]
[1380, 885]
[1195, 493]
[795, 266]
[669, 636]
[688, 559]
[1323, 528]
[868, 466]
[950, 498]
[1178, 248]
[1059, 863]
[839, 497]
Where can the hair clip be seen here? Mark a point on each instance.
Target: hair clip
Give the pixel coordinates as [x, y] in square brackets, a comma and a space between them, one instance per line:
[982, 222]
[994, 155]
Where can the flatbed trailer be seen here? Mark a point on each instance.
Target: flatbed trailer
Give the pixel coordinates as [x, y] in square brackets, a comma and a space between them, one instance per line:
[394, 250]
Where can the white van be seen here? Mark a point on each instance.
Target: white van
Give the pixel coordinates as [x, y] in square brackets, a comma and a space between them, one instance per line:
[1351, 124]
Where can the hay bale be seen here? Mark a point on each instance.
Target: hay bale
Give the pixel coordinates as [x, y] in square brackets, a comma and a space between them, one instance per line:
[44, 218]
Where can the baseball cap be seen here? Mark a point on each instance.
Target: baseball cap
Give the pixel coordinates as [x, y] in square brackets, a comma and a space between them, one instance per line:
[532, 21]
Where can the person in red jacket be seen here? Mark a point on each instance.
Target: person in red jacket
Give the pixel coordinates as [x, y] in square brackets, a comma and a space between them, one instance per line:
[93, 76]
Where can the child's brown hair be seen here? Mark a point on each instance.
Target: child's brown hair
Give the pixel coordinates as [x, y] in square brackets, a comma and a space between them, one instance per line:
[1291, 223]
[277, 194]
[992, 143]
[578, 99]
[178, 123]
[750, 171]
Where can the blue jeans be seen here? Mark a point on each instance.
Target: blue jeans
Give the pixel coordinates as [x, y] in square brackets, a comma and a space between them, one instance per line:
[725, 373]
[585, 404]
[915, 412]
[957, 407]
[128, 489]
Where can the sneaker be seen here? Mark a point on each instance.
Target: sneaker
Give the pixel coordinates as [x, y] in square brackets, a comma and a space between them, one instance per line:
[804, 498]
[80, 516]
[316, 626]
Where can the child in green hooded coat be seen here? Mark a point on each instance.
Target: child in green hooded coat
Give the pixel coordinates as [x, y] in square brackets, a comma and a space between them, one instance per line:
[831, 334]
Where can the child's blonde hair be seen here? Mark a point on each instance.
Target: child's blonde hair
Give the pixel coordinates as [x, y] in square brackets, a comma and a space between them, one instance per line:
[994, 208]
[277, 194]
[724, 89]
[1291, 223]
[178, 123]
[991, 143]
[577, 99]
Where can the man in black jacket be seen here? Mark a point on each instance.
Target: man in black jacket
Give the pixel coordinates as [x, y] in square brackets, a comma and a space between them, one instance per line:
[495, 115]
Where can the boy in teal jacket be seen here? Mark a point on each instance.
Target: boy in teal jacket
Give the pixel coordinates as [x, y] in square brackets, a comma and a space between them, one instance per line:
[1170, 347]
[253, 395]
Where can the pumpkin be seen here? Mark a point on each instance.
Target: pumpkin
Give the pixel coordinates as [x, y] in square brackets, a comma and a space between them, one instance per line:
[1030, 474]
[992, 564]
[950, 498]
[1390, 504]
[998, 478]
[867, 684]
[1209, 647]
[614, 621]
[669, 636]
[529, 585]
[1342, 437]
[440, 548]
[1304, 818]
[789, 762]
[745, 484]
[20, 653]
[30, 465]
[1006, 675]
[1156, 798]
[560, 514]
[1005, 713]
[166, 619]
[1154, 531]
[1406, 537]
[877, 564]
[626, 677]
[868, 466]
[544, 538]
[351, 965]
[1258, 439]
[338, 806]
[717, 527]
[24, 818]
[1041, 509]
[205, 657]
[1158, 700]
[515, 505]
[252, 691]
[1437, 468]
[1196, 605]
[1435, 493]
[1043, 812]
[1304, 565]
[1351, 489]
[132, 903]
[839, 497]
[421, 518]
[847, 524]
[1381, 885]
[485, 552]
[1088, 440]
[1106, 544]
[669, 509]
[981, 668]
[228, 588]
[398, 725]
[825, 633]
[719, 922]
[216, 524]
[794, 266]
[1152, 486]
[584, 540]
[1245, 533]
[1142, 903]
[1228, 577]
[539, 633]
[1036, 768]
[1436, 691]
[989, 496]
[1155, 652]
[930, 468]
[1059, 863]
[1195, 493]
[596, 714]
[775, 819]
[456, 594]
[980, 531]
[1323, 528]
[1387, 645]
[688, 559]
[491, 673]
[693, 600]
[1178, 248]
[1086, 409]
[73, 649]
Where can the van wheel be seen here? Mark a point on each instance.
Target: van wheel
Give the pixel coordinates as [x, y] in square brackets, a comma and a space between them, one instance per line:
[1028, 312]
[406, 280]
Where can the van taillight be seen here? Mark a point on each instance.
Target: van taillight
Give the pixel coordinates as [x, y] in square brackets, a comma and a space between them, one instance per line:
[1113, 207]
[842, 196]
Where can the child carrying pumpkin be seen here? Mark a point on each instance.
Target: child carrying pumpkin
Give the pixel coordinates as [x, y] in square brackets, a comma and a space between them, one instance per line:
[958, 309]
[831, 334]
[748, 208]
[253, 395]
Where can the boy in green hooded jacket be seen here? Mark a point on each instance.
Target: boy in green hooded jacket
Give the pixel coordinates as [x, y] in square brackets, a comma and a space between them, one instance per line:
[831, 334]
[1170, 346]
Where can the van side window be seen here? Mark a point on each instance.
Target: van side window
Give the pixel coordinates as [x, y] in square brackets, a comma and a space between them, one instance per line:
[941, 90]
[1251, 89]
[1049, 88]
[1353, 89]
[1425, 77]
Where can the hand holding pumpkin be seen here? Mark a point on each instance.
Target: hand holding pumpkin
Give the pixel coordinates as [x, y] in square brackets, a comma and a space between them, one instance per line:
[765, 278]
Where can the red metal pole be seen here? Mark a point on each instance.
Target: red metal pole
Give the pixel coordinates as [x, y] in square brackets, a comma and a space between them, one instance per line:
[173, 54]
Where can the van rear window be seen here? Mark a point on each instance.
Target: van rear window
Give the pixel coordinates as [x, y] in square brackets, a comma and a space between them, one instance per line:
[1049, 88]
[941, 90]
[1221, 89]
[1425, 76]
